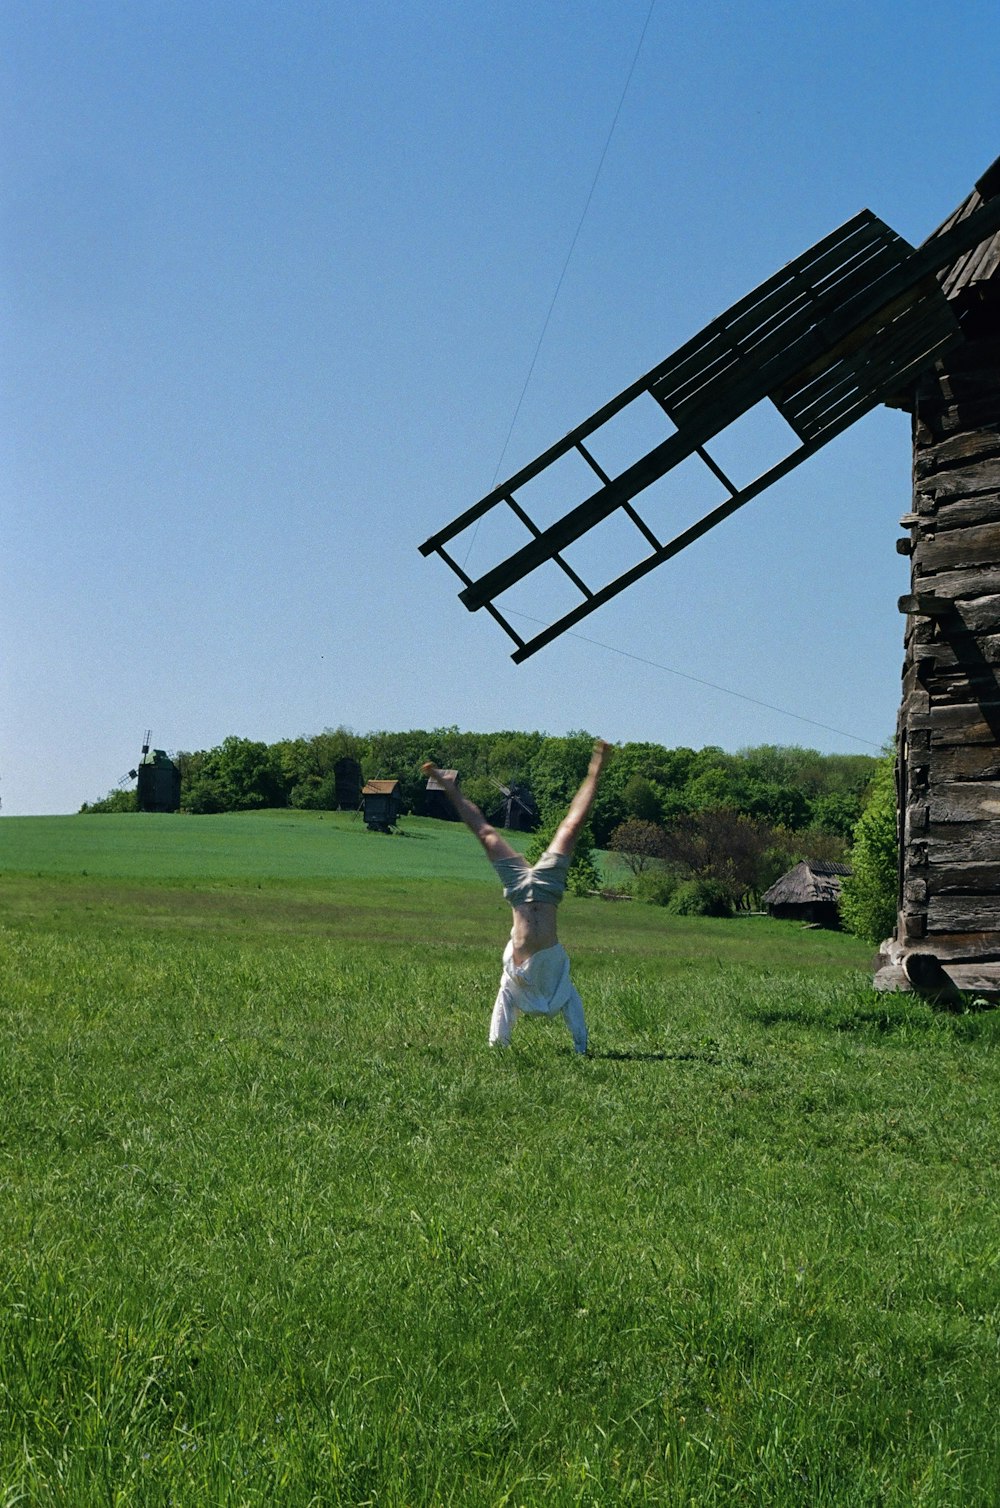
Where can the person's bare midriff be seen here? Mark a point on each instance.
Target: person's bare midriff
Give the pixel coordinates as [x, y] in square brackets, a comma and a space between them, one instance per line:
[534, 928]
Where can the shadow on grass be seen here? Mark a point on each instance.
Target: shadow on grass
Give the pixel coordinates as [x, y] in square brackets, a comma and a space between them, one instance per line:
[705, 1054]
[909, 1013]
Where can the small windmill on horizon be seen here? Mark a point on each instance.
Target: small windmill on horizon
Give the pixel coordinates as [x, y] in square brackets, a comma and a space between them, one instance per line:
[158, 780]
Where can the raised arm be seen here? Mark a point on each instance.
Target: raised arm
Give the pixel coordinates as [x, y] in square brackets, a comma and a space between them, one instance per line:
[582, 804]
[495, 846]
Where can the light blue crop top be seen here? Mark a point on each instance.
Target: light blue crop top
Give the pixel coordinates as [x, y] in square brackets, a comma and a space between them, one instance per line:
[544, 881]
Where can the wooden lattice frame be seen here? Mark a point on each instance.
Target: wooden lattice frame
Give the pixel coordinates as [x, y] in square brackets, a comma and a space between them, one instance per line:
[833, 334]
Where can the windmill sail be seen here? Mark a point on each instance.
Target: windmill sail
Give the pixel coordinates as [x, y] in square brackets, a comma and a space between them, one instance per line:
[830, 336]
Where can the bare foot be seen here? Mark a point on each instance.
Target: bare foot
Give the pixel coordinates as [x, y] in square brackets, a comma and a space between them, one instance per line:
[428, 769]
[600, 756]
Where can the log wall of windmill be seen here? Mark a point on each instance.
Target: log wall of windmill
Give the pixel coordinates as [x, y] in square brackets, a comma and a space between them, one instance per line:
[948, 764]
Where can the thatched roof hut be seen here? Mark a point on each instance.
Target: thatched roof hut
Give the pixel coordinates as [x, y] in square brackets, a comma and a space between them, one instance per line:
[810, 893]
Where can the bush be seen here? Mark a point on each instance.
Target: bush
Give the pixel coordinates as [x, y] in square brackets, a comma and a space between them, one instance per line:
[114, 801]
[655, 887]
[868, 895]
[700, 898]
[316, 793]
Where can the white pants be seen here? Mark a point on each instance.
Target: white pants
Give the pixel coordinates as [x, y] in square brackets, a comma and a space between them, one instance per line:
[540, 986]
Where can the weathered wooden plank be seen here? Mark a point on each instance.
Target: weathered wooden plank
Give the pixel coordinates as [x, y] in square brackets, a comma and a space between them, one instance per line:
[965, 731]
[963, 914]
[955, 688]
[925, 634]
[964, 481]
[967, 762]
[971, 978]
[965, 721]
[965, 801]
[957, 725]
[926, 604]
[970, 946]
[917, 767]
[973, 445]
[964, 877]
[911, 926]
[917, 816]
[984, 509]
[960, 650]
[972, 842]
[980, 580]
[979, 615]
[957, 548]
[976, 979]
[915, 695]
[916, 855]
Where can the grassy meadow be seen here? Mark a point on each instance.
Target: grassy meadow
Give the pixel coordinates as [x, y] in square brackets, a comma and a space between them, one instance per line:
[277, 1227]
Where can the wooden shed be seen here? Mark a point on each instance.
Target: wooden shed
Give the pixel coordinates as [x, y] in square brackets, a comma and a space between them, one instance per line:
[436, 803]
[381, 802]
[809, 893]
[948, 732]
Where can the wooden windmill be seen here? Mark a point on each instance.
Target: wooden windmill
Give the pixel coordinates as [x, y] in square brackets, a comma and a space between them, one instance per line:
[518, 810]
[860, 319]
[158, 780]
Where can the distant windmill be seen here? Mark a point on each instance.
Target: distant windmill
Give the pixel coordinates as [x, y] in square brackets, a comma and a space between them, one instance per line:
[861, 319]
[159, 780]
[518, 811]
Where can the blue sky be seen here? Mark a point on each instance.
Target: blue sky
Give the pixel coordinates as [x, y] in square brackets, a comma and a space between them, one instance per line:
[274, 276]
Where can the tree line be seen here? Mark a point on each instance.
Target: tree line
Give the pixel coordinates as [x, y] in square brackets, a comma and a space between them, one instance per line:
[735, 819]
[784, 786]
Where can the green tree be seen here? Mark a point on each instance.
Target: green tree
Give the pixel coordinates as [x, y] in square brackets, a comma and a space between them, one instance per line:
[641, 800]
[868, 895]
[722, 846]
[240, 775]
[777, 805]
[641, 844]
[246, 771]
[557, 771]
[837, 812]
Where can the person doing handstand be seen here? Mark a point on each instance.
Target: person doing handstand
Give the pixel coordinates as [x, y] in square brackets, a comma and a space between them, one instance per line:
[535, 979]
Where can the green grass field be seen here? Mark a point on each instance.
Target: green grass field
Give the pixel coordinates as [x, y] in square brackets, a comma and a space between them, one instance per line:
[279, 1229]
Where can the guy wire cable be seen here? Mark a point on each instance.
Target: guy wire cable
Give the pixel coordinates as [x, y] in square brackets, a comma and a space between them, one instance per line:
[565, 266]
[713, 685]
